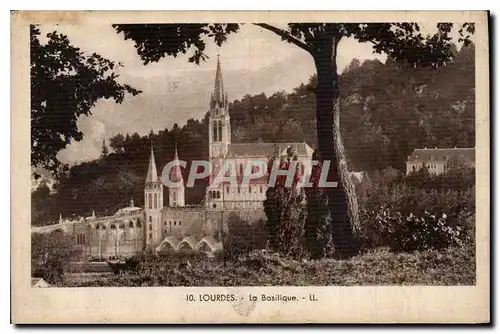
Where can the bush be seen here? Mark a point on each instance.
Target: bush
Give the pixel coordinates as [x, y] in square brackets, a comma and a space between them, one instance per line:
[410, 232]
[285, 209]
[243, 237]
[50, 254]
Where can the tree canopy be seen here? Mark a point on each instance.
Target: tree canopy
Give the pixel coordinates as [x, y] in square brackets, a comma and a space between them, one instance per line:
[65, 84]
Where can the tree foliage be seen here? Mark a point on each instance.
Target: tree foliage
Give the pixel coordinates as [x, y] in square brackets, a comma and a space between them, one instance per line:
[65, 84]
[50, 254]
[285, 208]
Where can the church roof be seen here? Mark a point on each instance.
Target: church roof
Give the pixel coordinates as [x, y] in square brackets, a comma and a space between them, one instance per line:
[152, 175]
[127, 210]
[266, 149]
[442, 154]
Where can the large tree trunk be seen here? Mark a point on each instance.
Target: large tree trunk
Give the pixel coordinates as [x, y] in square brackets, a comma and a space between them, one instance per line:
[342, 200]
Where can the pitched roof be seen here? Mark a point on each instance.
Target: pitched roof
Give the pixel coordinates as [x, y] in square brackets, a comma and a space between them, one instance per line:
[266, 149]
[442, 154]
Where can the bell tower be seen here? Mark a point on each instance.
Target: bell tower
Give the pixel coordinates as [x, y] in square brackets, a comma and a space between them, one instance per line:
[153, 203]
[219, 121]
[176, 194]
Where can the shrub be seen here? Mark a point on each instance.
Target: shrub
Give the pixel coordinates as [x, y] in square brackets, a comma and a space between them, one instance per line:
[410, 232]
[285, 210]
[50, 254]
[243, 237]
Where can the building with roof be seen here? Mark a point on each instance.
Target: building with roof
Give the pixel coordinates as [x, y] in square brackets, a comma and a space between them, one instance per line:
[175, 227]
[437, 160]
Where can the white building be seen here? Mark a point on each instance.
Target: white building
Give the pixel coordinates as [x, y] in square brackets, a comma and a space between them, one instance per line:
[437, 159]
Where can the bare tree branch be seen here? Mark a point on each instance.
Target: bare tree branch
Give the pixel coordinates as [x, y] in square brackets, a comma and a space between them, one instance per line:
[286, 36]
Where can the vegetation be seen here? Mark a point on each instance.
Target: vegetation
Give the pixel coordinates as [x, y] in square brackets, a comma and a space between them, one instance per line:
[379, 102]
[452, 266]
[50, 254]
[403, 42]
[285, 208]
[65, 84]
[416, 229]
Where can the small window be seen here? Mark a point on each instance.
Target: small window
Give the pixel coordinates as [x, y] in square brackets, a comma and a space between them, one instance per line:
[150, 219]
[131, 224]
[239, 190]
[179, 223]
[175, 223]
[150, 227]
[150, 236]
[249, 189]
[227, 190]
[261, 189]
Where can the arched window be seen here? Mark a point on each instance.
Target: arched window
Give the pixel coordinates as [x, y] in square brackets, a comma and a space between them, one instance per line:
[175, 223]
[239, 190]
[241, 169]
[156, 201]
[150, 204]
[214, 131]
[131, 224]
[150, 227]
[220, 131]
[249, 189]
[138, 224]
[227, 189]
[261, 188]
[218, 194]
[150, 219]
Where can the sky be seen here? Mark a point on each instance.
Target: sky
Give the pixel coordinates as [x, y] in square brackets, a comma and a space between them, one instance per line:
[253, 61]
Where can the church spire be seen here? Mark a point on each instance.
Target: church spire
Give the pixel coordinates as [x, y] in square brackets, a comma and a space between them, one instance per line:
[176, 173]
[218, 96]
[152, 172]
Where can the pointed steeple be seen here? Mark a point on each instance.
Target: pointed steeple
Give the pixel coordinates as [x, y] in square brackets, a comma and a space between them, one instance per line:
[93, 213]
[131, 203]
[152, 175]
[218, 95]
[175, 172]
[60, 218]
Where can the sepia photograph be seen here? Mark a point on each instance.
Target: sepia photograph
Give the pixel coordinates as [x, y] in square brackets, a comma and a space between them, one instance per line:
[289, 153]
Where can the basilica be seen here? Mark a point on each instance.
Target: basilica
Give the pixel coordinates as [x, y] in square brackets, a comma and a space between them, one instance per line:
[173, 226]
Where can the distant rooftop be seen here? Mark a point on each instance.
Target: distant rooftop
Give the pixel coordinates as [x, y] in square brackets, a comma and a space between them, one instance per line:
[266, 149]
[425, 154]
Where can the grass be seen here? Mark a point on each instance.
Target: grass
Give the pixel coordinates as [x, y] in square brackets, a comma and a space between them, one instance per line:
[452, 266]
